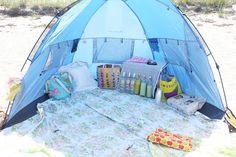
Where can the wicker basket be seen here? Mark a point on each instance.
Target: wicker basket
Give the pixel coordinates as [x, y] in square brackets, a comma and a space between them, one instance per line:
[108, 76]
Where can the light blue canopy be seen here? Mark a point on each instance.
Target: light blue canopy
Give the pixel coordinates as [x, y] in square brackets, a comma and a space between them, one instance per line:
[111, 31]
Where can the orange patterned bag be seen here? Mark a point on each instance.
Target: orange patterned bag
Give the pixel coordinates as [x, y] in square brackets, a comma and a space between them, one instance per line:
[170, 140]
[108, 76]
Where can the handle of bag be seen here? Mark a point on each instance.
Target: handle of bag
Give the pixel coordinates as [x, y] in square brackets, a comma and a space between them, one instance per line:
[62, 85]
[70, 79]
[46, 87]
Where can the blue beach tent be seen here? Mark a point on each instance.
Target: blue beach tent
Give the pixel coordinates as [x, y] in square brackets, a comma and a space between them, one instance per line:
[112, 31]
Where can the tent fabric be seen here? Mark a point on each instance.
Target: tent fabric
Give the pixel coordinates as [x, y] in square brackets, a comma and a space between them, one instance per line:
[73, 23]
[93, 30]
[113, 21]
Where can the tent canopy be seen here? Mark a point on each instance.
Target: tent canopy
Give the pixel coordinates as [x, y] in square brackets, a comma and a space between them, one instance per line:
[112, 31]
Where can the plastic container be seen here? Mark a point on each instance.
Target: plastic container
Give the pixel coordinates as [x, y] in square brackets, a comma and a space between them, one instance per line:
[158, 96]
[132, 84]
[127, 83]
[143, 88]
[122, 82]
[149, 87]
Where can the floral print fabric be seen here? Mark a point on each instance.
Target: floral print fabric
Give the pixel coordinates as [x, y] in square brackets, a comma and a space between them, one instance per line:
[108, 123]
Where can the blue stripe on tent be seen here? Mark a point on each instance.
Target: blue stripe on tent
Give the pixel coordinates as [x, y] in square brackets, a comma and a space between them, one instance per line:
[154, 45]
[75, 45]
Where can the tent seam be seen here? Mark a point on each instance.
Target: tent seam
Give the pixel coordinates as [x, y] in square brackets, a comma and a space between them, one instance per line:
[168, 7]
[145, 32]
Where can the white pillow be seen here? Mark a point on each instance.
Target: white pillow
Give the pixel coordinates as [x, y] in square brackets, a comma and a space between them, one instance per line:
[81, 75]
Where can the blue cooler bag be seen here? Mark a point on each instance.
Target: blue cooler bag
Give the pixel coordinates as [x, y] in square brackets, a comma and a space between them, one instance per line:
[60, 86]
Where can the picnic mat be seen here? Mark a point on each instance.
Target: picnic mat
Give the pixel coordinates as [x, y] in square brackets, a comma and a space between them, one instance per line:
[108, 123]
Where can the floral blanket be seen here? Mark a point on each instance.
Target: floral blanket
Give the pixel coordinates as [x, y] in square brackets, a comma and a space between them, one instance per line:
[104, 123]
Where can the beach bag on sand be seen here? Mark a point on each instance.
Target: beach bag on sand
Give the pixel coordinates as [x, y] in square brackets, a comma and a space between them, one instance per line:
[170, 87]
[171, 140]
[231, 120]
[60, 86]
[108, 76]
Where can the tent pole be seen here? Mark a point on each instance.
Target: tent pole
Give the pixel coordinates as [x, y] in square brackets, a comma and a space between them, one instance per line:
[221, 80]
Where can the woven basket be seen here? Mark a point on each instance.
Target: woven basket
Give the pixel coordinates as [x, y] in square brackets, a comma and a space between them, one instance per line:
[108, 76]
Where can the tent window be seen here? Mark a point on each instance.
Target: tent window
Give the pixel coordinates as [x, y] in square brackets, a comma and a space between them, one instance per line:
[57, 55]
[110, 50]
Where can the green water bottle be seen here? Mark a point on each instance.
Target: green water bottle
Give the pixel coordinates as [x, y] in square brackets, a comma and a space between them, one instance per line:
[137, 85]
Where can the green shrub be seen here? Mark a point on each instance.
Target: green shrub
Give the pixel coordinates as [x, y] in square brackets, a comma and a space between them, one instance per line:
[31, 3]
[33, 7]
[217, 3]
[210, 3]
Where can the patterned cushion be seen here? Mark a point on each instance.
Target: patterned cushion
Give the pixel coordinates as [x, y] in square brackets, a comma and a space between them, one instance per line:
[170, 140]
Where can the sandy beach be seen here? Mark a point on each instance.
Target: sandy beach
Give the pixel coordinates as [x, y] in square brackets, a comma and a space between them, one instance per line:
[18, 35]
